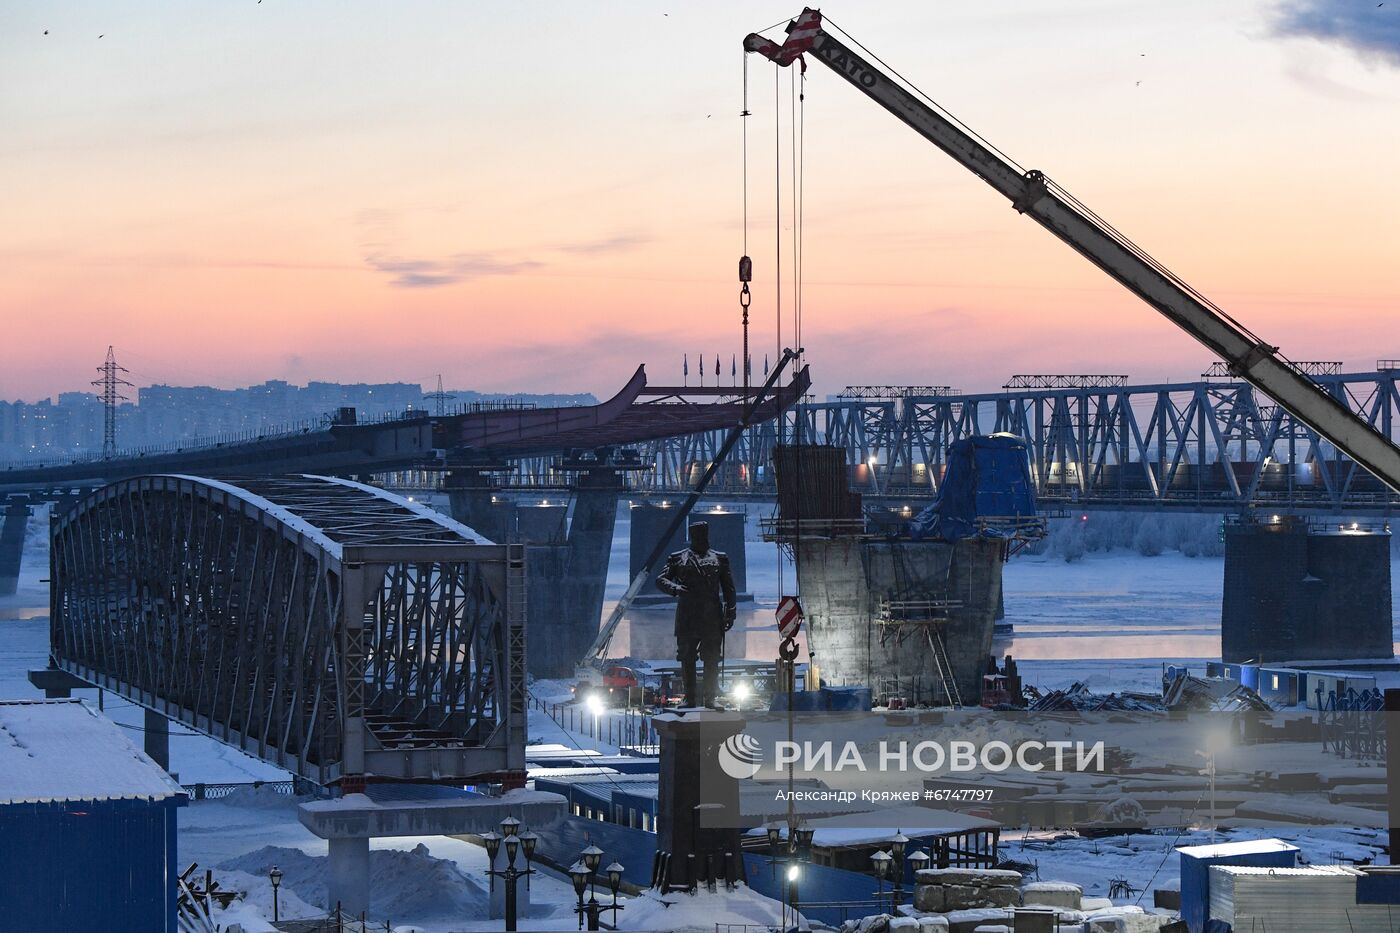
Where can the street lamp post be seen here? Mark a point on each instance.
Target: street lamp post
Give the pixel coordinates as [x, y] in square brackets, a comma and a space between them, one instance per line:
[275, 876]
[579, 873]
[881, 861]
[897, 848]
[513, 845]
[528, 841]
[492, 841]
[919, 860]
[794, 874]
[592, 858]
[614, 882]
[792, 852]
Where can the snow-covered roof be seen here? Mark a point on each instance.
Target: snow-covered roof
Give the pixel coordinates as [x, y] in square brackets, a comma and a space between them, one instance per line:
[1246, 847]
[54, 750]
[558, 751]
[1309, 871]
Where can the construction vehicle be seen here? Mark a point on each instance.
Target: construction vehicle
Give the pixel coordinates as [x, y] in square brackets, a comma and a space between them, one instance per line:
[1035, 195]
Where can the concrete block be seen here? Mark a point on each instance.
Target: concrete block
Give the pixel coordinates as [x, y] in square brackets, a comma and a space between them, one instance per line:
[962, 897]
[1052, 894]
[1125, 920]
[929, 898]
[1106, 925]
[967, 921]
[976, 877]
[1001, 897]
[933, 925]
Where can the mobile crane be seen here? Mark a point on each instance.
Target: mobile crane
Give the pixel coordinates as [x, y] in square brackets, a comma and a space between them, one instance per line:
[1033, 194]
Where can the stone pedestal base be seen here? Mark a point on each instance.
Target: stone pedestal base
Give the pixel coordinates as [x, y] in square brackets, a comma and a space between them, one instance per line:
[698, 803]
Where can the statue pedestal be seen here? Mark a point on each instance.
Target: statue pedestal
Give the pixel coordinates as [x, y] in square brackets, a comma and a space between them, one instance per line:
[698, 802]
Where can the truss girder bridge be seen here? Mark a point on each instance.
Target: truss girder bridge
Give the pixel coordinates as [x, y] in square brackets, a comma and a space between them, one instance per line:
[1215, 445]
[321, 625]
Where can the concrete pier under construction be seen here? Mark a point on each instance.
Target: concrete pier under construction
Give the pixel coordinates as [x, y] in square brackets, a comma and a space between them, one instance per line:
[909, 619]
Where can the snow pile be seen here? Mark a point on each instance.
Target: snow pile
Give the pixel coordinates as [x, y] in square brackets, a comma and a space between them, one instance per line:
[702, 912]
[410, 884]
[253, 910]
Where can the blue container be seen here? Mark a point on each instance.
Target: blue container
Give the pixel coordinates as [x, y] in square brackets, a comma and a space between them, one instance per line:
[1195, 871]
[89, 865]
[846, 699]
[803, 701]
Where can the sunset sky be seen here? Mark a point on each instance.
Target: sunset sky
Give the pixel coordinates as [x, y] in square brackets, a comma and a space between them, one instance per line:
[539, 196]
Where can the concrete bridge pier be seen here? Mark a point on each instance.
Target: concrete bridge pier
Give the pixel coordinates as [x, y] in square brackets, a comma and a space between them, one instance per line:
[16, 521]
[56, 684]
[348, 884]
[566, 570]
[472, 500]
[348, 823]
[596, 493]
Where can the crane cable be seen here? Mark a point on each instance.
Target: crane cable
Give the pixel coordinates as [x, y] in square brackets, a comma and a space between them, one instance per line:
[745, 263]
[778, 200]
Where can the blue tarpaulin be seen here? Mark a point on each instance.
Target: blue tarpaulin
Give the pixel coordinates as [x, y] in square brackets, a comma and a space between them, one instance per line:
[988, 476]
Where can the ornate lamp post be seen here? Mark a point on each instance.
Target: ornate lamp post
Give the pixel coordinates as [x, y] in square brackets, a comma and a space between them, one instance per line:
[590, 858]
[614, 871]
[492, 842]
[579, 874]
[897, 848]
[881, 864]
[919, 860]
[513, 844]
[804, 842]
[528, 841]
[275, 876]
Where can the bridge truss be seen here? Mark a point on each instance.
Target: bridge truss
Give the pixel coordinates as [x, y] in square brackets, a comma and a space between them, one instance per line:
[1212, 444]
[324, 626]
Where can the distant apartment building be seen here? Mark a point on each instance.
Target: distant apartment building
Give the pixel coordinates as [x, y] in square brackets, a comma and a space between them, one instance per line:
[163, 415]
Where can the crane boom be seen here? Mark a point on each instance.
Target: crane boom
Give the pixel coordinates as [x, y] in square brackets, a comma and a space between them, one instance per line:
[1034, 195]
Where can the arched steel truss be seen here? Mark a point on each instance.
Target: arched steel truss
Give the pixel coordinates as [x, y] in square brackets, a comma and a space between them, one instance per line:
[327, 627]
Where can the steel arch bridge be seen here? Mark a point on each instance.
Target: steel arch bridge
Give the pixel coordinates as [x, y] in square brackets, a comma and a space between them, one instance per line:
[327, 627]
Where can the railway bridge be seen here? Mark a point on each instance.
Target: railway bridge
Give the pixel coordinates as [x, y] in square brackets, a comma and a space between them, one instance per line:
[327, 627]
[1216, 444]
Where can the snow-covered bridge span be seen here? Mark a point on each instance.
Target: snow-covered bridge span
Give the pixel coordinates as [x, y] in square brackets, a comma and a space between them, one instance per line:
[327, 627]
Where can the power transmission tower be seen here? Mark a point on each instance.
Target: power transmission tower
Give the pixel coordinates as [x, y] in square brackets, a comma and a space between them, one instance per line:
[440, 397]
[109, 395]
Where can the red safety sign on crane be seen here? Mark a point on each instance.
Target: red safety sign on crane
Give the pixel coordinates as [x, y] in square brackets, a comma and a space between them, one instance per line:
[789, 615]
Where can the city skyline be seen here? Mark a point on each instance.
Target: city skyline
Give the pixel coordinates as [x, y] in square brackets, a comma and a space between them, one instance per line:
[531, 199]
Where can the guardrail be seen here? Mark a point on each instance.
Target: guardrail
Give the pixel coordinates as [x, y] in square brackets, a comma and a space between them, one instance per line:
[624, 728]
[294, 788]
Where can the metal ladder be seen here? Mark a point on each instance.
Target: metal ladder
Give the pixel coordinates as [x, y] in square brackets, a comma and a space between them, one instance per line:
[945, 666]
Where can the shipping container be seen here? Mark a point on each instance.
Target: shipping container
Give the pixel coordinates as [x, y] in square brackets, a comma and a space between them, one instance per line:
[87, 824]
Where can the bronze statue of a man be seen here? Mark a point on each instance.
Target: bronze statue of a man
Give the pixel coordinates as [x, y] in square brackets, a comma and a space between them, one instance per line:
[700, 580]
